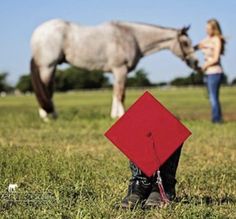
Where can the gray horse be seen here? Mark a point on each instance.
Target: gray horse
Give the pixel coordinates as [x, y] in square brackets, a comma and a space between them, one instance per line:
[113, 47]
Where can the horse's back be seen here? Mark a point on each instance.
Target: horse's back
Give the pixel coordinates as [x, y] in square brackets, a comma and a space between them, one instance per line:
[100, 47]
[93, 47]
[55, 30]
[47, 40]
[48, 27]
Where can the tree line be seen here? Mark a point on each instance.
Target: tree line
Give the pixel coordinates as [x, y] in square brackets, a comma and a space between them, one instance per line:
[73, 78]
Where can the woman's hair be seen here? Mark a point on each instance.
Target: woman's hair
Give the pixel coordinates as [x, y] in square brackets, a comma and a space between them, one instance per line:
[217, 32]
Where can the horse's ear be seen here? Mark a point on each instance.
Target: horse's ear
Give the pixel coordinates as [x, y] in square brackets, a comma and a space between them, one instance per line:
[184, 30]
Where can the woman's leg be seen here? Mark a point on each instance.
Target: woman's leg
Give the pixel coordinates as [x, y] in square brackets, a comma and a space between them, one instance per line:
[213, 85]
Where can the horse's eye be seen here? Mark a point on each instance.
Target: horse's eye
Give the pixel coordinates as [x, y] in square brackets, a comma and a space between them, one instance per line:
[185, 44]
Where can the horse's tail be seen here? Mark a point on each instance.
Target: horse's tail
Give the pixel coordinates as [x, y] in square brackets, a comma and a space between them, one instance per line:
[42, 91]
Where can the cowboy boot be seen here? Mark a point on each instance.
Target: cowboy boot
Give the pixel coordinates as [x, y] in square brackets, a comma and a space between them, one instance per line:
[167, 173]
[139, 188]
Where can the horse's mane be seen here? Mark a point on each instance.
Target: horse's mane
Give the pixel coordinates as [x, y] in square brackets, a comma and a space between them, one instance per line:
[136, 24]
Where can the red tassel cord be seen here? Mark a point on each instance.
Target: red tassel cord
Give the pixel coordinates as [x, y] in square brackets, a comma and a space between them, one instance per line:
[161, 188]
[159, 180]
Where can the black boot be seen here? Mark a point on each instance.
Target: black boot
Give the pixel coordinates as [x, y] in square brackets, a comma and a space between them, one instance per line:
[168, 173]
[139, 188]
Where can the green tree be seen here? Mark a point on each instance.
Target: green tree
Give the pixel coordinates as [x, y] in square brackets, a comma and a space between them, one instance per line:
[225, 79]
[140, 79]
[69, 79]
[4, 86]
[192, 79]
[76, 78]
[24, 84]
[234, 82]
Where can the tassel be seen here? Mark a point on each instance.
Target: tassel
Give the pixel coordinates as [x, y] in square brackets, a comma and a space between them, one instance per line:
[159, 180]
[161, 188]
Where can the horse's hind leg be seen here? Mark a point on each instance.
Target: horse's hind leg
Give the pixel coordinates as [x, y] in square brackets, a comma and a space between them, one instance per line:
[42, 81]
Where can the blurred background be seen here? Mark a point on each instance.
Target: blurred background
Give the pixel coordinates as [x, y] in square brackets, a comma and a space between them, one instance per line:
[66, 168]
[18, 19]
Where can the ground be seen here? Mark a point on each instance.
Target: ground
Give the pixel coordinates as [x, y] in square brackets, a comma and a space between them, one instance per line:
[68, 169]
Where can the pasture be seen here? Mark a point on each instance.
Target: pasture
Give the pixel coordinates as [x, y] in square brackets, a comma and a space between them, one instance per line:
[67, 169]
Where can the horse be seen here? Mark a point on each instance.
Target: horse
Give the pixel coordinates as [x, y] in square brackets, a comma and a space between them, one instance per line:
[115, 46]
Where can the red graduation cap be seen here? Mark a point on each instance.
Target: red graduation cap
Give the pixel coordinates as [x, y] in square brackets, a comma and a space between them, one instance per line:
[148, 134]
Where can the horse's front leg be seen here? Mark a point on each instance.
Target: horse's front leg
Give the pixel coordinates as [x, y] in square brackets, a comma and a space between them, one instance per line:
[120, 75]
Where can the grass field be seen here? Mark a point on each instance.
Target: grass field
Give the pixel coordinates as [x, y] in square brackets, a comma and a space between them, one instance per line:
[67, 169]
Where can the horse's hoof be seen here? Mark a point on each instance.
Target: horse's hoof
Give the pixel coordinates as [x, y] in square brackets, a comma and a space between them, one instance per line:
[47, 117]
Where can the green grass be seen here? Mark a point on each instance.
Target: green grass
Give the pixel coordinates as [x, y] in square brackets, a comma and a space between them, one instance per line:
[67, 169]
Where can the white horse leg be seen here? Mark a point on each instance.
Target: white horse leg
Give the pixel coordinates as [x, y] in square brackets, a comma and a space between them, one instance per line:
[46, 116]
[43, 115]
[114, 108]
[119, 92]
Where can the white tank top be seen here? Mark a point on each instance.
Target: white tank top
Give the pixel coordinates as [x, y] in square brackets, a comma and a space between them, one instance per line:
[208, 50]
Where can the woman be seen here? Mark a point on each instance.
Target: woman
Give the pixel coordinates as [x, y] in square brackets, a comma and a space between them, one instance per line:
[213, 47]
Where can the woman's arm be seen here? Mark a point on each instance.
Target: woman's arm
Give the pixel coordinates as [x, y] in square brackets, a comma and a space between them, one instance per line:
[216, 54]
[200, 45]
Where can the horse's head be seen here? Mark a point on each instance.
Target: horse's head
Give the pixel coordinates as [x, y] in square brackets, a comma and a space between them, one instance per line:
[182, 47]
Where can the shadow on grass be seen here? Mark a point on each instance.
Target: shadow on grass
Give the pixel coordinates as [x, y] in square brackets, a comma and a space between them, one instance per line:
[206, 200]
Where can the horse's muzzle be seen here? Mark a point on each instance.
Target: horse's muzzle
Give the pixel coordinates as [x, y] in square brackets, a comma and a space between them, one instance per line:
[192, 63]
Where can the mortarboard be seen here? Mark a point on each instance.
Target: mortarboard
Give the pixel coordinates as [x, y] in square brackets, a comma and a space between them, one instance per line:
[148, 134]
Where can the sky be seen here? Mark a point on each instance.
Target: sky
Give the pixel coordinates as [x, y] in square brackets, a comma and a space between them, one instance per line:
[18, 19]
